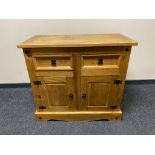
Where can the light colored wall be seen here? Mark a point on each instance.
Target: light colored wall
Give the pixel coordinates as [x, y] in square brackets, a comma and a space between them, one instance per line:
[12, 63]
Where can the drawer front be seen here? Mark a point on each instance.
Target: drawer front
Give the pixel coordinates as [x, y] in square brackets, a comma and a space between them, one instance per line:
[52, 62]
[100, 64]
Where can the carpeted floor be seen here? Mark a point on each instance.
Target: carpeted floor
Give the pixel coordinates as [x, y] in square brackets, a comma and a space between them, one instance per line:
[17, 118]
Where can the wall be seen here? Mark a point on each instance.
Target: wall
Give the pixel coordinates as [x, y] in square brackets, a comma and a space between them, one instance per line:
[12, 63]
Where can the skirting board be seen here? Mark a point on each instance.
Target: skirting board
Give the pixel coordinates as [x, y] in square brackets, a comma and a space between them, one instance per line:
[27, 85]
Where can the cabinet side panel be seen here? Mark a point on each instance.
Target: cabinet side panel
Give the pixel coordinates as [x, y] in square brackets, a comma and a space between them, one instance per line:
[29, 64]
[119, 89]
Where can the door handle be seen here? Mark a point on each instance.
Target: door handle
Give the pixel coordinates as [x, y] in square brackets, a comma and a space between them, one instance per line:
[71, 96]
[100, 61]
[84, 96]
[53, 61]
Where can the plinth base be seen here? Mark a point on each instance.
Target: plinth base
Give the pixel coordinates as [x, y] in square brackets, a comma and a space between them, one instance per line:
[79, 115]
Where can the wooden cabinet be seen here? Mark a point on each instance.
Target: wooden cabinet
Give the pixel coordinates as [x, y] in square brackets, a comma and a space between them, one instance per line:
[77, 77]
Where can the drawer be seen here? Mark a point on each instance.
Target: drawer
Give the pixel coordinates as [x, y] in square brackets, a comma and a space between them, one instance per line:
[52, 62]
[100, 64]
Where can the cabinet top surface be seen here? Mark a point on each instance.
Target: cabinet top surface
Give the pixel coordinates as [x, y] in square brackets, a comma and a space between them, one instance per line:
[79, 40]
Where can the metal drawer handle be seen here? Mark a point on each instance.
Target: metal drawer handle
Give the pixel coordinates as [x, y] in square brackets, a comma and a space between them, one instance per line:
[71, 95]
[42, 107]
[53, 61]
[84, 96]
[100, 61]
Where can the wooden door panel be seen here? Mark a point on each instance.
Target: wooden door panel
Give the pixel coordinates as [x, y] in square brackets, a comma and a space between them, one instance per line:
[99, 92]
[59, 93]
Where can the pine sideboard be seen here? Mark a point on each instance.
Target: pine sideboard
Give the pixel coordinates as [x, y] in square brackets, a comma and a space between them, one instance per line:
[77, 77]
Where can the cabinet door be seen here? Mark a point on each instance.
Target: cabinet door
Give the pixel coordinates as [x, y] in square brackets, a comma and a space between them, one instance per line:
[57, 93]
[97, 92]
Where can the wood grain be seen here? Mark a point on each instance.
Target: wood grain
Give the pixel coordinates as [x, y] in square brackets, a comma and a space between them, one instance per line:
[83, 40]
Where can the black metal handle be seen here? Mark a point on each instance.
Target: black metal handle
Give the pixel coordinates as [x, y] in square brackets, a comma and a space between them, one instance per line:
[53, 61]
[71, 95]
[42, 107]
[100, 61]
[83, 96]
[37, 82]
[117, 82]
[113, 106]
